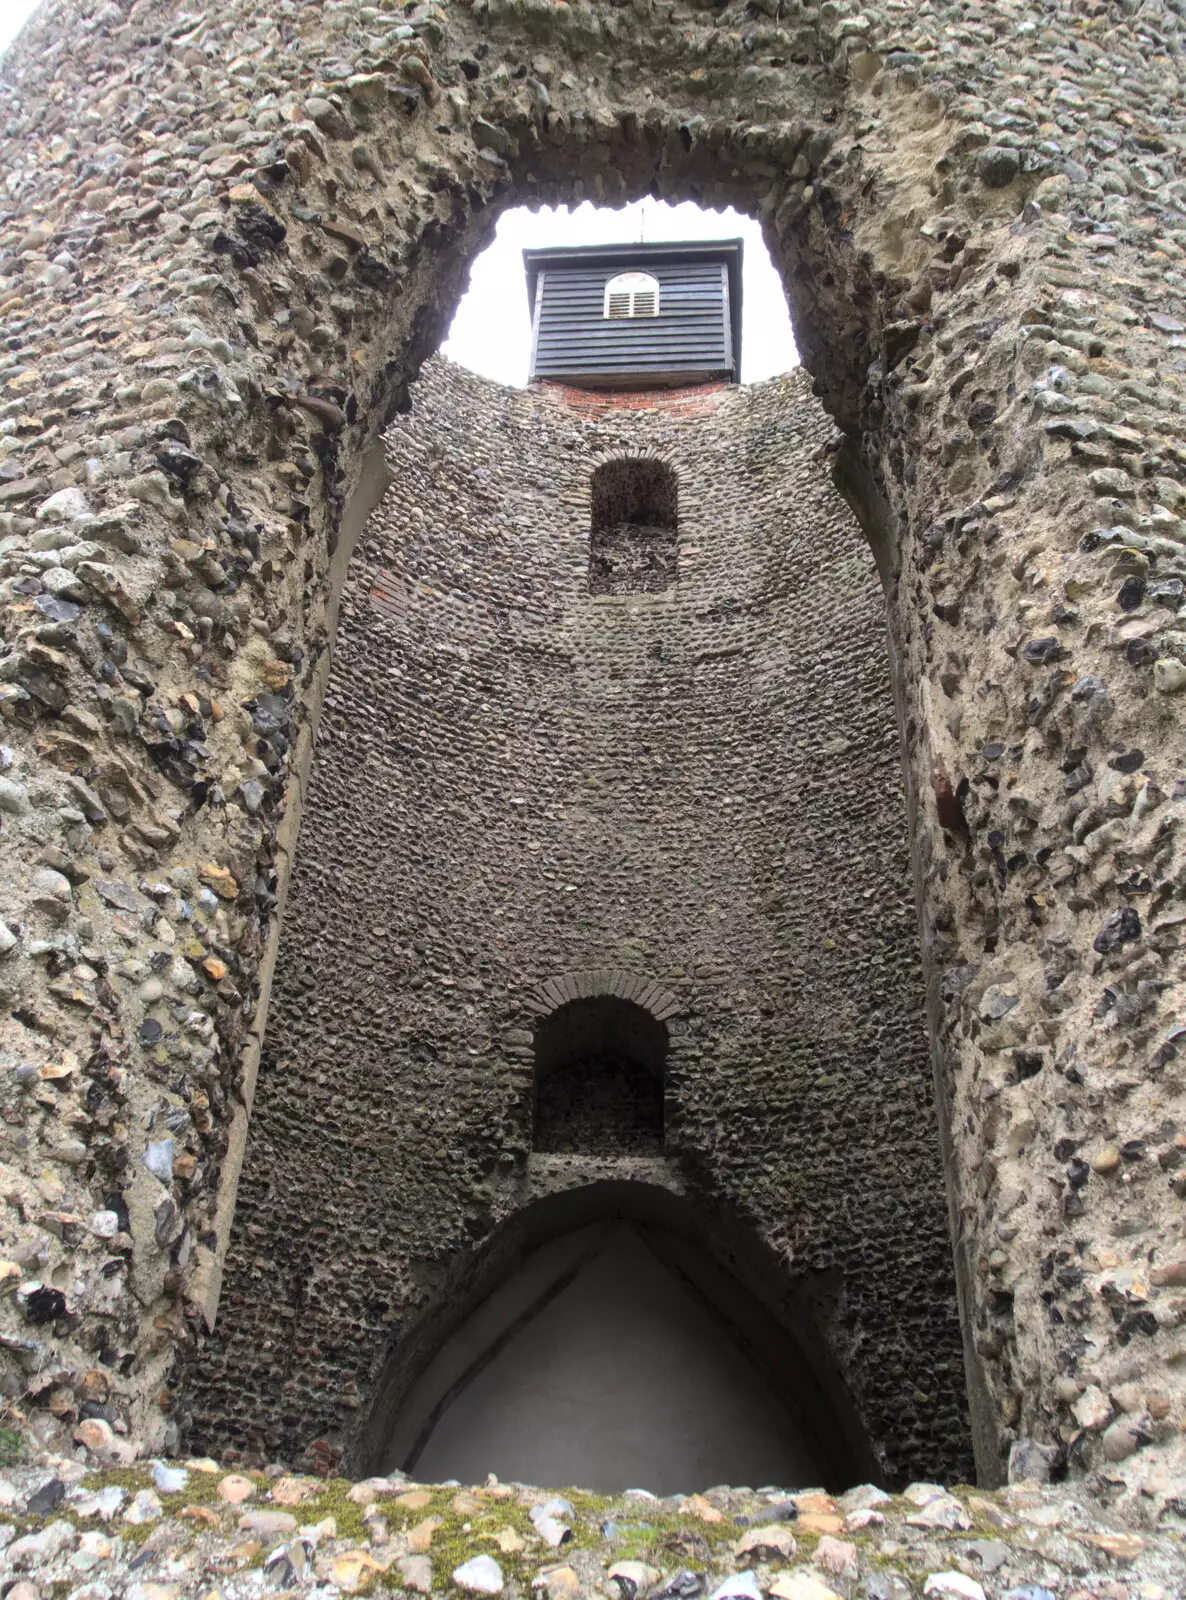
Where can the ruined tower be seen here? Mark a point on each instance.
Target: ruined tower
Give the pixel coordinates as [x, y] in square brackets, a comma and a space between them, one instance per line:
[629, 937]
[230, 244]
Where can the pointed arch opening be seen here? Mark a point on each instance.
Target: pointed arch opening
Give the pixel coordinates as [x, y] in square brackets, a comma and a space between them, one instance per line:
[618, 1335]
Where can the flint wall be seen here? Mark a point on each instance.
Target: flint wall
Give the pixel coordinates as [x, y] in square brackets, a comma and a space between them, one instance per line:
[517, 778]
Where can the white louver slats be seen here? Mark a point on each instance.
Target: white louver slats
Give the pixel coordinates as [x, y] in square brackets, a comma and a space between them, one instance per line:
[632, 294]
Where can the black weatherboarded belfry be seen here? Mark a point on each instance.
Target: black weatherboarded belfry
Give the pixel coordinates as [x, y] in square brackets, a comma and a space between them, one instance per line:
[636, 316]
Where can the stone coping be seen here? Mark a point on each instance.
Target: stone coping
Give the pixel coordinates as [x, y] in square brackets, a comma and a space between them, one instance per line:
[183, 1530]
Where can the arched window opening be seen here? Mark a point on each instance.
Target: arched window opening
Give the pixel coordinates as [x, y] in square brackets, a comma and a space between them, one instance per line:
[599, 1068]
[633, 542]
[632, 294]
[492, 330]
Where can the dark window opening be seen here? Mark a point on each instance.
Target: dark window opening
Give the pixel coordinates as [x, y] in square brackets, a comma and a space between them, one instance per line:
[633, 542]
[599, 1079]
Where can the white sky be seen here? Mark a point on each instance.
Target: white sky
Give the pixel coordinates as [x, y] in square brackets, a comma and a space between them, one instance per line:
[491, 332]
[12, 15]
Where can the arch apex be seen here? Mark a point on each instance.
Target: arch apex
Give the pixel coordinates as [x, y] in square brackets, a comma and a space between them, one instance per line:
[591, 983]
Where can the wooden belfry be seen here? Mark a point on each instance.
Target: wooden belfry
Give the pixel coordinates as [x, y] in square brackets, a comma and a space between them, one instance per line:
[636, 316]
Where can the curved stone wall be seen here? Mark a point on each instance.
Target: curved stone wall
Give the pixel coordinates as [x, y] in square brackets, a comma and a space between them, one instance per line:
[516, 776]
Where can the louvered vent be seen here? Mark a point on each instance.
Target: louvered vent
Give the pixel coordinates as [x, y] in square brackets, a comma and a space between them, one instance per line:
[632, 294]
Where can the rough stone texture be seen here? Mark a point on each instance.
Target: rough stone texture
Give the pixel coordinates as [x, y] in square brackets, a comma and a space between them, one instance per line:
[230, 239]
[186, 1530]
[517, 778]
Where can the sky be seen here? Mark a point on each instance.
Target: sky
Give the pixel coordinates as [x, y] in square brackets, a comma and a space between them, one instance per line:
[491, 332]
[12, 15]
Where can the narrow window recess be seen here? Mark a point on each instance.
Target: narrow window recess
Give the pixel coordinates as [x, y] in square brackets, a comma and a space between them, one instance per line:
[632, 294]
[633, 545]
[599, 1079]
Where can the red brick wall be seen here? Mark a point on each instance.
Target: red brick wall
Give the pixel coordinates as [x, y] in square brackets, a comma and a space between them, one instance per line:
[695, 400]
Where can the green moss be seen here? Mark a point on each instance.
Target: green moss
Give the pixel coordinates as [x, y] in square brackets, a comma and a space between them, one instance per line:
[133, 1533]
[660, 1537]
[645, 1531]
[333, 1501]
[12, 1447]
[465, 1534]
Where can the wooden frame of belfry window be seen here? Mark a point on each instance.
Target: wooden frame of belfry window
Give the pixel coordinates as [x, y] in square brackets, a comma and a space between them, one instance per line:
[631, 294]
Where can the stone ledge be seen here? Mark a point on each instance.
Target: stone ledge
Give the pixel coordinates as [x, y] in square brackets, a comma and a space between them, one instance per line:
[184, 1530]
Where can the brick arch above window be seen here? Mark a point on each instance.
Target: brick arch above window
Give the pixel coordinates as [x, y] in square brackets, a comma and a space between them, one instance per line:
[597, 982]
[604, 1042]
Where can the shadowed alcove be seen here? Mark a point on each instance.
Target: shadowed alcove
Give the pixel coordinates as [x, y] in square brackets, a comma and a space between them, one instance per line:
[599, 1079]
[606, 1337]
[555, 774]
[633, 541]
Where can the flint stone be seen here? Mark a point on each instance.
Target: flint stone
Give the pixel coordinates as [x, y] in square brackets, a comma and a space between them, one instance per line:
[1169, 675]
[955, 1585]
[145, 1507]
[36, 1549]
[1120, 1442]
[633, 1578]
[416, 1572]
[1092, 1409]
[51, 890]
[480, 1574]
[67, 505]
[1120, 928]
[158, 1158]
[990, 1553]
[169, 1480]
[42, 1501]
[995, 1004]
[801, 1586]
[771, 1542]
[998, 165]
[1031, 1461]
[862, 1497]
[268, 1523]
[942, 1512]
[740, 1586]
[14, 798]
